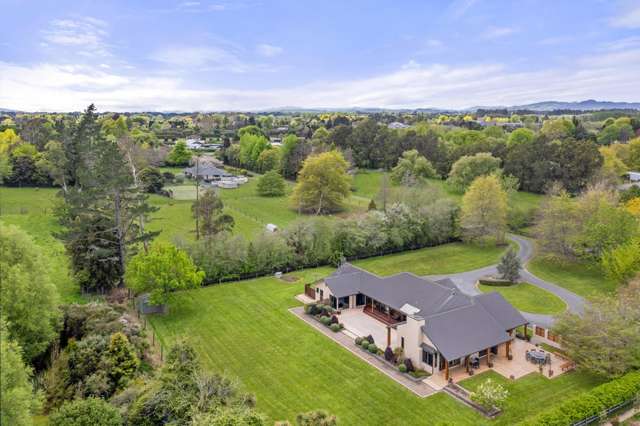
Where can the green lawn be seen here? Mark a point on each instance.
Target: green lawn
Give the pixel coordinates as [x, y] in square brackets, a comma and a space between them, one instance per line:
[245, 330]
[444, 259]
[587, 281]
[31, 210]
[529, 298]
[366, 183]
[533, 393]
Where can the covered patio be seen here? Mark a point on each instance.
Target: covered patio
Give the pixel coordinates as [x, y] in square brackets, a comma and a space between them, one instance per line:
[518, 367]
[361, 325]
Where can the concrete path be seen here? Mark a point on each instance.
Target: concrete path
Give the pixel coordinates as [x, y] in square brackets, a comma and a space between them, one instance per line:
[419, 388]
[466, 282]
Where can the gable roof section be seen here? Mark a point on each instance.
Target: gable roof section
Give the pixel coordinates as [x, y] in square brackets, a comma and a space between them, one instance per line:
[506, 315]
[207, 170]
[464, 331]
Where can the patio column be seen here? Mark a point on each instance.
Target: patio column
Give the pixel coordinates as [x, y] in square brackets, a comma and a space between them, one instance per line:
[466, 363]
[488, 356]
[388, 336]
[446, 370]
[508, 347]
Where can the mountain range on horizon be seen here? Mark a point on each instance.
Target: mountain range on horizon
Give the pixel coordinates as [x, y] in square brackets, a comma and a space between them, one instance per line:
[543, 106]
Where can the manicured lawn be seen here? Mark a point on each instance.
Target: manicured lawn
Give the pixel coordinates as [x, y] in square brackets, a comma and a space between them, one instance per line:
[529, 298]
[31, 210]
[444, 259]
[366, 183]
[245, 330]
[533, 393]
[578, 277]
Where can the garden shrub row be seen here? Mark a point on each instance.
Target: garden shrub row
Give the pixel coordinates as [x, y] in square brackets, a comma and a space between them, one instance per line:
[495, 282]
[591, 403]
[325, 314]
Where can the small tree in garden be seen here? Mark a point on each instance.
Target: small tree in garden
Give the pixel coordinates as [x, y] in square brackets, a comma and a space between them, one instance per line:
[123, 359]
[372, 205]
[162, 270]
[388, 354]
[509, 267]
[316, 418]
[490, 394]
[90, 411]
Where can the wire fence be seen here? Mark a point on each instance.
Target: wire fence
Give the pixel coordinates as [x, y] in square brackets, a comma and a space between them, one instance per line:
[598, 418]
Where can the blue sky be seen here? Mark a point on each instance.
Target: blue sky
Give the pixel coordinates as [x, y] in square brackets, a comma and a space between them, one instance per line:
[245, 55]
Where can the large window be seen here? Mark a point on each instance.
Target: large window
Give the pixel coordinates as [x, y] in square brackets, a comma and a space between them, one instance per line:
[343, 302]
[360, 299]
[427, 357]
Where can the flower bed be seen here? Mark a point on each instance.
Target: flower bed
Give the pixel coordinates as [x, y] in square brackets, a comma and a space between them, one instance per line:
[393, 358]
[325, 315]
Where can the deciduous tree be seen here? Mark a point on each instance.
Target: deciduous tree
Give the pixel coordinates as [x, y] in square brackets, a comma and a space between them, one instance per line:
[412, 165]
[484, 210]
[271, 184]
[467, 168]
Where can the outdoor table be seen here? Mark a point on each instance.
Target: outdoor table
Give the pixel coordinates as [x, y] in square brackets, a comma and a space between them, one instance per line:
[538, 357]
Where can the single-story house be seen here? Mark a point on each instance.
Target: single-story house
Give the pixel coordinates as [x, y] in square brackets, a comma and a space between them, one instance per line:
[206, 172]
[435, 324]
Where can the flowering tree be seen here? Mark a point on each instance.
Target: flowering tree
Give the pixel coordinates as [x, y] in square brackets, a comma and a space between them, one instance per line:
[490, 394]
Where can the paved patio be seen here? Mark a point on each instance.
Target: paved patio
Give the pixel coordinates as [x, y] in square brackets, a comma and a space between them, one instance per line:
[362, 325]
[518, 367]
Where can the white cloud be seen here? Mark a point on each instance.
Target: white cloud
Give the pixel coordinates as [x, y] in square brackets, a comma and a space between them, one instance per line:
[200, 57]
[607, 74]
[268, 50]
[497, 32]
[460, 7]
[627, 18]
[84, 35]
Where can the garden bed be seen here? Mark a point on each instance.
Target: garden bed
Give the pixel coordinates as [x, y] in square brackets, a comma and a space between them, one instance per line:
[404, 367]
[325, 315]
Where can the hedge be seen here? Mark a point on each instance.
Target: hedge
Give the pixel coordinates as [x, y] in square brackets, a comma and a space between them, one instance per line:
[590, 403]
[495, 282]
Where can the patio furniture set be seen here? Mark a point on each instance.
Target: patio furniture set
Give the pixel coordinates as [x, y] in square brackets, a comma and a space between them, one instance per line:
[539, 357]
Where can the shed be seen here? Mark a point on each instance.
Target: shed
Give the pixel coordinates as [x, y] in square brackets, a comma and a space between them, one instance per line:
[145, 308]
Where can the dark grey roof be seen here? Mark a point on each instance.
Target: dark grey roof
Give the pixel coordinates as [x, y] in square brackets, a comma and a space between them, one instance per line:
[207, 170]
[456, 323]
[508, 316]
[463, 331]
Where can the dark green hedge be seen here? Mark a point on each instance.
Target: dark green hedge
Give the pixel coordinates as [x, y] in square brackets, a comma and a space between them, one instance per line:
[495, 282]
[590, 403]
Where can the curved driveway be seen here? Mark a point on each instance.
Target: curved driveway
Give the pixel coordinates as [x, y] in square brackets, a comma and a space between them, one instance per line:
[466, 282]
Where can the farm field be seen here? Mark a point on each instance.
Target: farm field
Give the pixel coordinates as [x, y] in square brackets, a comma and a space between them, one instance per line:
[245, 330]
[529, 298]
[577, 277]
[444, 259]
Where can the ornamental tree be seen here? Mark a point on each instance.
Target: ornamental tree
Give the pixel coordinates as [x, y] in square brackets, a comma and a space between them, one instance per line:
[271, 184]
[490, 394]
[161, 271]
[509, 267]
[484, 210]
[412, 166]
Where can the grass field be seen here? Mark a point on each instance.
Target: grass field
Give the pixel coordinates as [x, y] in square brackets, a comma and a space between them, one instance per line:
[582, 279]
[533, 393]
[444, 259]
[31, 210]
[244, 329]
[529, 298]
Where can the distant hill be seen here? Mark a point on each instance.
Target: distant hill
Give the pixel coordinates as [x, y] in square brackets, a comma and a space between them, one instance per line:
[588, 105]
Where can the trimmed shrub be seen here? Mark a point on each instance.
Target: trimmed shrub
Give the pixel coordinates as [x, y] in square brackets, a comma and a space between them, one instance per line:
[365, 344]
[358, 341]
[335, 327]
[372, 348]
[334, 319]
[388, 354]
[590, 403]
[325, 320]
[402, 368]
[370, 339]
[409, 364]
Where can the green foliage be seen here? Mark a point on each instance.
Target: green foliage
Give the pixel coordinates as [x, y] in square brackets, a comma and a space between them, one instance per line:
[509, 266]
[490, 394]
[29, 300]
[271, 184]
[468, 168]
[617, 321]
[590, 403]
[323, 184]
[162, 270]
[209, 210]
[484, 210]
[293, 153]
[180, 155]
[251, 147]
[316, 418]
[17, 400]
[152, 180]
[122, 359]
[86, 412]
[269, 159]
[412, 166]
[622, 262]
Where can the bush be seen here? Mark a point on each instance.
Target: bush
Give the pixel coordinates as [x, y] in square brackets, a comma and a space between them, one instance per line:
[372, 348]
[409, 365]
[83, 412]
[388, 354]
[271, 184]
[365, 344]
[590, 403]
[335, 327]
[358, 341]
[325, 320]
[334, 319]
[402, 368]
[370, 339]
